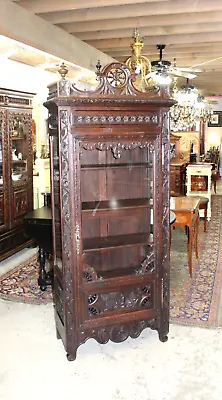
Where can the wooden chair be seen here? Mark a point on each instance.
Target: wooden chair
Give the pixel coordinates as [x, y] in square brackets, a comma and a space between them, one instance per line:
[213, 156]
[203, 204]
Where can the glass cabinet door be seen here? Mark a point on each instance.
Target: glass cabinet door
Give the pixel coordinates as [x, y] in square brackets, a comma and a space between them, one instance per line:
[117, 209]
[18, 132]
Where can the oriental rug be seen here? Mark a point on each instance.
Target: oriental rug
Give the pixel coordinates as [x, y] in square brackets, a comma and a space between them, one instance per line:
[193, 301]
[196, 301]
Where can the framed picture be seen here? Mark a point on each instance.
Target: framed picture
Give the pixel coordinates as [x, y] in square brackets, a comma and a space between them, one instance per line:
[216, 120]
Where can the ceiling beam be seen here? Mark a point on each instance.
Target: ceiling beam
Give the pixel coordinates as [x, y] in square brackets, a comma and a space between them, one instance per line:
[19, 24]
[135, 10]
[43, 6]
[180, 57]
[167, 40]
[152, 31]
[151, 51]
[140, 23]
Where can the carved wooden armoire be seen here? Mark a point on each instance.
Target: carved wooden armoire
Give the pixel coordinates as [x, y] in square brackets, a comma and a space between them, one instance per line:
[15, 169]
[110, 206]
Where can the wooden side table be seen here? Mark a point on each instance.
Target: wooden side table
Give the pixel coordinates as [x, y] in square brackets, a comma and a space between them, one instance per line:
[200, 169]
[186, 210]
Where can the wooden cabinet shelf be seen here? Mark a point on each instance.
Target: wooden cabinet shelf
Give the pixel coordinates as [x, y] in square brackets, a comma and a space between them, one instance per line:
[123, 165]
[110, 191]
[111, 242]
[110, 279]
[94, 207]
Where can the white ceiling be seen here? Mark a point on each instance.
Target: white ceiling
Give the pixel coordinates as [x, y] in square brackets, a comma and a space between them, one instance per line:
[191, 30]
[19, 52]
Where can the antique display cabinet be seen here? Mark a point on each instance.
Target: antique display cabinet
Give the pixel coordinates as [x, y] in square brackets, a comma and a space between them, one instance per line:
[15, 169]
[110, 207]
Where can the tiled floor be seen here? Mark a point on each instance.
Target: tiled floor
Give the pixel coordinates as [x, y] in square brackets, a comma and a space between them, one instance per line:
[33, 362]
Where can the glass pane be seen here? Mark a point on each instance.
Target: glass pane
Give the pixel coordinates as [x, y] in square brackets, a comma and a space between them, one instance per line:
[117, 208]
[18, 129]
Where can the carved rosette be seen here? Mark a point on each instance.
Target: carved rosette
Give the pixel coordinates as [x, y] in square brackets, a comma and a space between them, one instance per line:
[115, 119]
[116, 79]
[165, 223]
[66, 227]
[136, 298]
[118, 333]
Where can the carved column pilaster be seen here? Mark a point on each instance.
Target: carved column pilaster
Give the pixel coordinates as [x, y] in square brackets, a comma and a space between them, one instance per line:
[164, 328]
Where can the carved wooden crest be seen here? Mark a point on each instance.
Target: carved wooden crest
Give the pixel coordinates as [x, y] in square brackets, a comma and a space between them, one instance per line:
[115, 79]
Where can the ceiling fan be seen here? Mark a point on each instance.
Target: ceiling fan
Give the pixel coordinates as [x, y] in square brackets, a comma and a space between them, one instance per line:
[165, 67]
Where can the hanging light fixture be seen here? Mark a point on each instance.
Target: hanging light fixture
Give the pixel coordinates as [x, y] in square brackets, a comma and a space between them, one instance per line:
[204, 110]
[190, 108]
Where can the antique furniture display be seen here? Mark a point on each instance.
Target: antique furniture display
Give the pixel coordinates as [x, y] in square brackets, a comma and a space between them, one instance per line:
[203, 204]
[177, 178]
[177, 167]
[38, 225]
[186, 139]
[16, 162]
[110, 169]
[213, 156]
[199, 183]
[187, 214]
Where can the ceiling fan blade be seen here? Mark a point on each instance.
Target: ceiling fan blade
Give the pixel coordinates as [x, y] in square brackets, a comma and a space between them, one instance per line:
[190, 69]
[177, 72]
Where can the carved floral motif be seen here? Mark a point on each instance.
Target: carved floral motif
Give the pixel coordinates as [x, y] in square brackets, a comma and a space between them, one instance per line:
[114, 119]
[120, 332]
[20, 203]
[140, 297]
[165, 224]
[116, 147]
[66, 227]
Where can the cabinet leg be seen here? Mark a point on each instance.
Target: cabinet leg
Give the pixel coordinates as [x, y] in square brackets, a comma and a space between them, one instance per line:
[71, 357]
[163, 338]
[42, 272]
